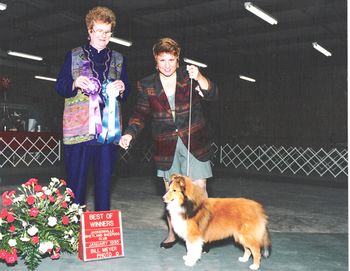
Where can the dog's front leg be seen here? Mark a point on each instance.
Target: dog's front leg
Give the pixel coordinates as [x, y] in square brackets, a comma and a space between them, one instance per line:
[194, 251]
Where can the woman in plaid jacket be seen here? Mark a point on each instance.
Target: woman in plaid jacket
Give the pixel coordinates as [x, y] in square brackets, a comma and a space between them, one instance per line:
[165, 98]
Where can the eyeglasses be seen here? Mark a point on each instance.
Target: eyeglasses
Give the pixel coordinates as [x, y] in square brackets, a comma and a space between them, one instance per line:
[100, 32]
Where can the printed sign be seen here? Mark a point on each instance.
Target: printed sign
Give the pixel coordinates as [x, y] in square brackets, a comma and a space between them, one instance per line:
[101, 235]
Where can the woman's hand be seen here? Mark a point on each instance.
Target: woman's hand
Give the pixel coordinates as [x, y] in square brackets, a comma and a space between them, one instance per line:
[193, 72]
[124, 141]
[118, 85]
[81, 82]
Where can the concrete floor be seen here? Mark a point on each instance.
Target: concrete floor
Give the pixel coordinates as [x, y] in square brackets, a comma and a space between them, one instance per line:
[308, 222]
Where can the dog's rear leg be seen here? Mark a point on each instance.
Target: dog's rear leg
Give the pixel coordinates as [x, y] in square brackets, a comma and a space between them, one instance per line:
[255, 249]
[194, 252]
[245, 256]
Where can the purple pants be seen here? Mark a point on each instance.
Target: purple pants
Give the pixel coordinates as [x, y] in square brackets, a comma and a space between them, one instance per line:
[78, 158]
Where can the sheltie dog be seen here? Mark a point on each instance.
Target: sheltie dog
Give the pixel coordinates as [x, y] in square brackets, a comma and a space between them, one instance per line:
[198, 220]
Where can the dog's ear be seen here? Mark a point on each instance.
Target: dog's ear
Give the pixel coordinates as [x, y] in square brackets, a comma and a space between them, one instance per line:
[174, 177]
[182, 181]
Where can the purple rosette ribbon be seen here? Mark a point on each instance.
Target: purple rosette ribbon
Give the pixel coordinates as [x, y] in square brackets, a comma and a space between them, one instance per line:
[93, 90]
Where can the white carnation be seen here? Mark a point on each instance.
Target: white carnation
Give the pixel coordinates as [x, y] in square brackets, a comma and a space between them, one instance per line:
[45, 246]
[39, 194]
[25, 239]
[32, 230]
[12, 242]
[48, 192]
[55, 180]
[52, 221]
[75, 219]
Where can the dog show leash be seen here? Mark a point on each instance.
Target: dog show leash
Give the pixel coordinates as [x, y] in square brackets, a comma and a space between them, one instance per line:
[198, 64]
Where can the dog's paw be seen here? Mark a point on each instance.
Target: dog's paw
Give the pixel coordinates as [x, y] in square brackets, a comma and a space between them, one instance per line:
[243, 259]
[190, 262]
[254, 266]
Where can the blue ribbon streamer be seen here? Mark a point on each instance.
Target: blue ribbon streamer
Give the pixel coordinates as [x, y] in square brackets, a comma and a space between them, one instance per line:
[114, 134]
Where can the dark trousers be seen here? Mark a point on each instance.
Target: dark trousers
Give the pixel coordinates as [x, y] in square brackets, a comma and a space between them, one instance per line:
[78, 158]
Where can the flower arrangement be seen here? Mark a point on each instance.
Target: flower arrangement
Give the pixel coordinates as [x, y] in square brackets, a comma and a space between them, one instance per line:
[39, 221]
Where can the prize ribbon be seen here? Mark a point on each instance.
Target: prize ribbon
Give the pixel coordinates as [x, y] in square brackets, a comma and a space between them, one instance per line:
[110, 125]
[93, 90]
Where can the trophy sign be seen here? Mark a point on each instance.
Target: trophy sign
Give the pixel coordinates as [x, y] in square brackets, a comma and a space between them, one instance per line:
[101, 235]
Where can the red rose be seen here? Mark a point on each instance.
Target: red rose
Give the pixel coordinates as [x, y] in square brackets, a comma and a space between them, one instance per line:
[55, 256]
[3, 254]
[33, 212]
[38, 188]
[11, 258]
[10, 218]
[3, 213]
[6, 198]
[64, 204]
[12, 228]
[35, 239]
[65, 220]
[31, 181]
[31, 200]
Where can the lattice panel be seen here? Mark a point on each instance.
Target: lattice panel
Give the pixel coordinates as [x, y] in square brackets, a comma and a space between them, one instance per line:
[292, 159]
[27, 152]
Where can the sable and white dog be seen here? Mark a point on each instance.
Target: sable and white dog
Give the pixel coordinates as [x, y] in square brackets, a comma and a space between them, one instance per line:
[198, 219]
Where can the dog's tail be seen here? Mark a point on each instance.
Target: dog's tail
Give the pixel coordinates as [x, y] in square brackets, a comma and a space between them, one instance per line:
[266, 244]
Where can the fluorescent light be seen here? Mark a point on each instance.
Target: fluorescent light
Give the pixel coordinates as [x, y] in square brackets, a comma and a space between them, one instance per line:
[260, 13]
[120, 41]
[321, 49]
[12, 53]
[247, 78]
[196, 63]
[3, 6]
[45, 78]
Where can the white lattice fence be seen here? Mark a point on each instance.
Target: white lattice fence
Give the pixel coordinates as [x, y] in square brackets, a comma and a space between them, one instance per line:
[286, 160]
[29, 152]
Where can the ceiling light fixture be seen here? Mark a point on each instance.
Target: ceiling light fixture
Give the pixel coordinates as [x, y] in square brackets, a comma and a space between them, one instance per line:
[13, 53]
[321, 49]
[3, 6]
[120, 41]
[260, 13]
[45, 78]
[247, 78]
[196, 63]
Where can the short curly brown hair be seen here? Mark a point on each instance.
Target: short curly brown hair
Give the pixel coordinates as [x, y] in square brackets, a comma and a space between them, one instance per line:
[100, 14]
[166, 45]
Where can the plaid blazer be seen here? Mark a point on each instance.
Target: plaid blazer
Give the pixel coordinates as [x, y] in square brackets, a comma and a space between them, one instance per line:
[152, 102]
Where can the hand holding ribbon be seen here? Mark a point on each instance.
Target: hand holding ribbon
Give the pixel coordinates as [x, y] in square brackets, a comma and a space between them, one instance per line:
[111, 125]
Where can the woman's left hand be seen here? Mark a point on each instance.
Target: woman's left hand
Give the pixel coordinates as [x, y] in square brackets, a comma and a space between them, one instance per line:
[193, 72]
[118, 86]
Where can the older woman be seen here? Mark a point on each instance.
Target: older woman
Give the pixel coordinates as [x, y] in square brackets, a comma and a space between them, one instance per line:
[165, 97]
[92, 80]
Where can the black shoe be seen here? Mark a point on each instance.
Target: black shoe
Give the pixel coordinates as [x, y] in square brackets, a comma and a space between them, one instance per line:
[205, 248]
[167, 245]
